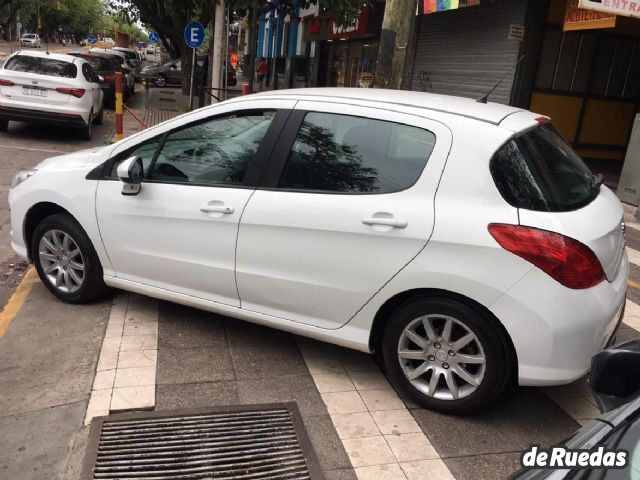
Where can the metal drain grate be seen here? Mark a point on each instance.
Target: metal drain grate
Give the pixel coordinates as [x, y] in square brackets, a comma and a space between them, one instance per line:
[244, 442]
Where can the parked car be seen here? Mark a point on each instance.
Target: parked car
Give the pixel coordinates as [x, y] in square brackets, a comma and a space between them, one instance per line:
[50, 88]
[106, 66]
[133, 57]
[615, 382]
[151, 49]
[171, 73]
[84, 42]
[127, 68]
[30, 40]
[465, 243]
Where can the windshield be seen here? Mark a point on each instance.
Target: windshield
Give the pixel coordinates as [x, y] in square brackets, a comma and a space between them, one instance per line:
[540, 171]
[29, 35]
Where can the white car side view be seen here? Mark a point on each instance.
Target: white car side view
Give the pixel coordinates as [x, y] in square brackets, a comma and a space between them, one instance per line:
[465, 243]
[50, 88]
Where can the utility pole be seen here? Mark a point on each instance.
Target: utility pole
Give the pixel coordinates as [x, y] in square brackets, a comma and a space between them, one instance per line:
[394, 42]
[252, 46]
[218, 48]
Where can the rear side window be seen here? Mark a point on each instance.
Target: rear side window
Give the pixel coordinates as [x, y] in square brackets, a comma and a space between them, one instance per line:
[41, 66]
[540, 171]
[346, 154]
[100, 64]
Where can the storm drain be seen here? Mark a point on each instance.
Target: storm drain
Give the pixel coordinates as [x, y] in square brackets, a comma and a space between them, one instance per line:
[248, 442]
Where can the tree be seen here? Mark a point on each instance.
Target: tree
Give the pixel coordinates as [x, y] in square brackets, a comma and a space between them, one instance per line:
[394, 43]
[9, 11]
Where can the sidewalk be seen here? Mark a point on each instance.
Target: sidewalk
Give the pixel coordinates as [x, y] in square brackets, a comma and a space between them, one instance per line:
[163, 104]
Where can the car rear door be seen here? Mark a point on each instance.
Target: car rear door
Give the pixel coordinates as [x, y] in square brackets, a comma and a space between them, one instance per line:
[346, 203]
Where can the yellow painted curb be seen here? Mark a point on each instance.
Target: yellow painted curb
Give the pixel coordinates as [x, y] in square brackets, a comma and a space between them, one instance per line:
[16, 301]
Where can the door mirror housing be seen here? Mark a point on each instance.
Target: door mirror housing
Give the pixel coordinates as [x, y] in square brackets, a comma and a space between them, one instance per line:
[100, 79]
[130, 173]
[615, 375]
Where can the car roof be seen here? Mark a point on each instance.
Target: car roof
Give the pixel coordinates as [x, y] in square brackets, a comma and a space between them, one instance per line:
[54, 56]
[467, 107]
[84, 53]
[124, 49]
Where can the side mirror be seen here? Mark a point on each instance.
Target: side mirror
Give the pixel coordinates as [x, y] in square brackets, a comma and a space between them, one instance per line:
[130, 173]
[174, 67]
[100, 79]
[615, 375]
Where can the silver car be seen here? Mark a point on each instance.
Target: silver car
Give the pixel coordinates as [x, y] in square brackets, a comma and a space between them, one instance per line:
[30, 40]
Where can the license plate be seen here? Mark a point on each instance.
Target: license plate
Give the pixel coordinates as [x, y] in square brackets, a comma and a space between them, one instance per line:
[36, 92]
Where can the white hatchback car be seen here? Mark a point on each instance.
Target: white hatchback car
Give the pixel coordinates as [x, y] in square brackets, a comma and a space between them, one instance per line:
[50, 88]
[465, 242]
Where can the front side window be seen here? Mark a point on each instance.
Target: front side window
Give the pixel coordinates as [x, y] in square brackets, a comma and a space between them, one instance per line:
[216, 152]
[146, 151]
[346, 154]
[41, 66]
[540, 171]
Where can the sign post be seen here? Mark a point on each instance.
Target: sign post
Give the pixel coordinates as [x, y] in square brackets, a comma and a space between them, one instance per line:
[193, 36]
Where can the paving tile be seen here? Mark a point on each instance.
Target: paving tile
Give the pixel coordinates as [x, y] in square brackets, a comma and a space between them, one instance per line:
[99, 400]
[393, 422]
[369, 380]
[386, 399]
[108, 358]
[135, 377]
[579, 388]
[324, 364]
[633, 322]
[381, 472]
[137, 358]
[196, 395]
[314, 348]
[185, 327]
[485, 467]
[511, 424]
[343, 402]
[130, 398]
[114, 330]
[578, 407]
[194, 365]
[150, 328]
[139, 342]
[355, 425]
[368, 451]
[90, 415]
[326, 444]
[434, 469]
[104, 379]
[355, 361]
[299, 389]
[333, 382]
[409, 447]
[142, 309]
[343, 474]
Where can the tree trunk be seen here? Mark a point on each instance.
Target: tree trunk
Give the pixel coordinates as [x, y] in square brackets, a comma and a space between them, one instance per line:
[218, 50]
[394, 39]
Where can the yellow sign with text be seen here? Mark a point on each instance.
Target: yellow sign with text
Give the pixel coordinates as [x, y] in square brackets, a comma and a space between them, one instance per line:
[576, 18]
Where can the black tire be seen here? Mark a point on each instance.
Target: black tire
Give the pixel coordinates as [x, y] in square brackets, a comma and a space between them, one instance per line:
[92, 284]
[100, 117]
[86, 132]
[496, 367]
[161, 81]
[4, 125]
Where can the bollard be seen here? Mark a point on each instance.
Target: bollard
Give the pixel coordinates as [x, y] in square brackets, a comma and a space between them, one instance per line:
[119, 125]
[245, 89]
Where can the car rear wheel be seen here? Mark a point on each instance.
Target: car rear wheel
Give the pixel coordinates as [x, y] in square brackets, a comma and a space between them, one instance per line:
[86, 132]
[4, 125]
[445, 355]
[65, 259]
[161, 81]
[100, 117]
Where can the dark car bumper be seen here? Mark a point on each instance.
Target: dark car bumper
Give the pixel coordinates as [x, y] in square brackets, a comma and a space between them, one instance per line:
[38, 116]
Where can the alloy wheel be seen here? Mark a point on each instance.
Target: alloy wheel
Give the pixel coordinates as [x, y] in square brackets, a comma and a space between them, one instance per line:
[61, 261]
[441, 357]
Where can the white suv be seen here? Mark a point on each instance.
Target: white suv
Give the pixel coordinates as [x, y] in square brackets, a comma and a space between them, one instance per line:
[50, 88]
[464, 242]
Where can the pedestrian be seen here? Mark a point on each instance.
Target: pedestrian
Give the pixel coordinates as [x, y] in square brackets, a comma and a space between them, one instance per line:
[261, 71]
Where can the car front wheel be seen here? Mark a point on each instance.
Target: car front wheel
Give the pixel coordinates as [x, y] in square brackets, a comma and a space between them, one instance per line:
[445, 355]
[65, 259]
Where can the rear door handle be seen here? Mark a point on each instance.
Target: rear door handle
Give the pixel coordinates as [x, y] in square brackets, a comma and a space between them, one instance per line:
[389, 222]
[217, 209]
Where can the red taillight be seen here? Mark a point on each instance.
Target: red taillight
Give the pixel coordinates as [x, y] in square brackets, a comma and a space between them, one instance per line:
[108, 78]
[6, 83]
[76, 92]
[563, 258]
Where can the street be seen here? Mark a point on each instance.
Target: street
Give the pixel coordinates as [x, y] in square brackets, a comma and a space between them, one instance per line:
[178, 357]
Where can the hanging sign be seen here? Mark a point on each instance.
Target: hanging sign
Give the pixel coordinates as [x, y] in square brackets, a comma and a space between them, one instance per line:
[576, 18]
[433, 6]
[626, 8]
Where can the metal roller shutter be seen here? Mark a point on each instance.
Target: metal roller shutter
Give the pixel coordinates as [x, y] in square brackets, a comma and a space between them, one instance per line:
[464, 52]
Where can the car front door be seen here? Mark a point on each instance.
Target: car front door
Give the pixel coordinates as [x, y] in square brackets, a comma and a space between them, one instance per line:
[179, 232]
[347, 202]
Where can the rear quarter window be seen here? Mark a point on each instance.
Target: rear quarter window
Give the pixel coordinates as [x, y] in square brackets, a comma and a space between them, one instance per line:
[41, 66]
[540, 171]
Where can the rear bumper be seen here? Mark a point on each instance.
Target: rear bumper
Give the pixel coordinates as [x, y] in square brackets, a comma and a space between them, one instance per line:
[556, 330]
[39, 116]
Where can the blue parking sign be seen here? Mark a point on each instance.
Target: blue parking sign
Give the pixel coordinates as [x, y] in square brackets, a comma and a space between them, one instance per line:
[91, 38]
[154, 37]
[194, 34]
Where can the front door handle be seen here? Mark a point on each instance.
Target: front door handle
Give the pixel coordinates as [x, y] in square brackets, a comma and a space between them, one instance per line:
[388, 222]
[217, 209]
